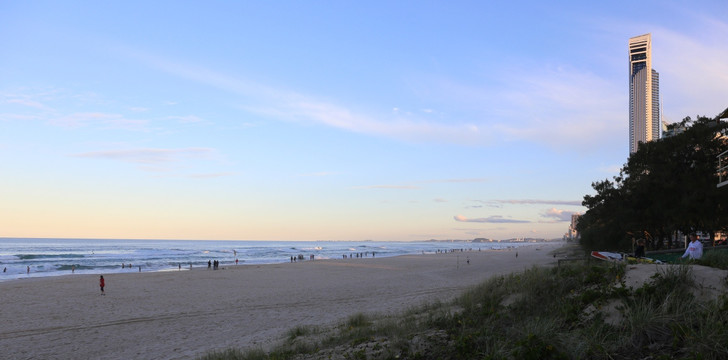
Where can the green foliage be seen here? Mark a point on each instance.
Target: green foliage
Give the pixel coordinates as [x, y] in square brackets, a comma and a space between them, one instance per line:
[635, 205]
[715, 258]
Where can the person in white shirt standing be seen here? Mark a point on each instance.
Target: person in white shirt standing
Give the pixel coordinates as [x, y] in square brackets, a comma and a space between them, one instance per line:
[695, 248]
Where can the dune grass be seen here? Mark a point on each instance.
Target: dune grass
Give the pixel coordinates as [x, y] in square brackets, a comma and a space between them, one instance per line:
[576, 311]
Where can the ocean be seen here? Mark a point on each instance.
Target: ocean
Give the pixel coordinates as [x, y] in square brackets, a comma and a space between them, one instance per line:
[27, 258]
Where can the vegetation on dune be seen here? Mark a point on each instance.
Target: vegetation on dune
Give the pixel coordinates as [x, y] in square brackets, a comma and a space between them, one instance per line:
[666, 186]
[576, 311]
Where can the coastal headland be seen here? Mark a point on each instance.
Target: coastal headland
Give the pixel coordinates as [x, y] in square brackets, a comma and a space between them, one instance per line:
[184, 314]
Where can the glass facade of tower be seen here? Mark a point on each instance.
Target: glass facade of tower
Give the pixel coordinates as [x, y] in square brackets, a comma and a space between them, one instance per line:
[644, 93]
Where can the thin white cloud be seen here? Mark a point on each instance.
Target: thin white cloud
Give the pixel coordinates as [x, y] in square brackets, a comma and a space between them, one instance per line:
[498, 203]
[28, 103]
[110, 120]
[400, 187]
[536, 201]
[211, 175]
[558, 215]
[290, 105]
[150, 156]
[491, 219]
[693, 69]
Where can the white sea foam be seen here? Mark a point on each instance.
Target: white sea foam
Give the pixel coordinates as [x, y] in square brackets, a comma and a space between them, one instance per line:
[50, 257]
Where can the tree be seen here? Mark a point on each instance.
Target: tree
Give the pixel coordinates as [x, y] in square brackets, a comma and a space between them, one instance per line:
[666, 186]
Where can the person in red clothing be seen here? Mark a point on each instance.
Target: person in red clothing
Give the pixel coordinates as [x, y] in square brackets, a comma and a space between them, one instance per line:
[101, 284]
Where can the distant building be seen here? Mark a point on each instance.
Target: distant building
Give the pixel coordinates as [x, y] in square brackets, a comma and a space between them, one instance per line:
[573, 234]
[723, 157]
[644, 93]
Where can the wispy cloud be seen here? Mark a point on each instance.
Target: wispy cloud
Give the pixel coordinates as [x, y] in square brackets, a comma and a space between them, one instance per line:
[27, 102]
[560, 106]
[401, 187]
[290, 105]
[693, 68]
[116, 121]
[150, 156]
[211, 175]
[558, 215]
[536, 201]
[500, 202]
[491, 219]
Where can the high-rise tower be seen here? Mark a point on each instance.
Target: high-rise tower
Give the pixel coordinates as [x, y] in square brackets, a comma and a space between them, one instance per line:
[644, 93]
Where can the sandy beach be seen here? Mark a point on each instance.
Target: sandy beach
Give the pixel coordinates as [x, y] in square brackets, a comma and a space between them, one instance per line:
[184, 314]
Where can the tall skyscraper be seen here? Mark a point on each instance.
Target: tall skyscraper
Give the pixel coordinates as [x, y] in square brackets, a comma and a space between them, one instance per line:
[644, 93]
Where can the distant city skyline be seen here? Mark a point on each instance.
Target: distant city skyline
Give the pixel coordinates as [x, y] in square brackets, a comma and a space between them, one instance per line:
[290, 120]
[644, 93]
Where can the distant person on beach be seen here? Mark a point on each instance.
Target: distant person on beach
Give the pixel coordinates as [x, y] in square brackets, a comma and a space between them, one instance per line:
[209, 263]
[28, 269]
[102, 284]
[73, 269]
[695, 248]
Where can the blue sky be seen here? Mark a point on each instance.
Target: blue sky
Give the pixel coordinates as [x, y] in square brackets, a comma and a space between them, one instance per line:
[303, 120]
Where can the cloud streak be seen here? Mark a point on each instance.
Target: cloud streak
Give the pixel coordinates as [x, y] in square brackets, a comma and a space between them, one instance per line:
[150, 156]
[496, 219]
[558, 215]
[396, 187]
[540, 202]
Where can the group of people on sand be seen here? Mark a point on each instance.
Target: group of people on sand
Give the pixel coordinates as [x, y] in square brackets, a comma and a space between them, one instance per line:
[213, 264]
[359, 255]
[300, 257]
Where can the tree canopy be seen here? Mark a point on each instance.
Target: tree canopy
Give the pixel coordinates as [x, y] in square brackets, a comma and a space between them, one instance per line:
[667, 185]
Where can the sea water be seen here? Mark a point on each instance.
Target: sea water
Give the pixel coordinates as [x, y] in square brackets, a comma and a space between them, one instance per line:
[24, 258]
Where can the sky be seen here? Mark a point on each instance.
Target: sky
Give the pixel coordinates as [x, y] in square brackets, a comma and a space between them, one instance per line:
[330, 120]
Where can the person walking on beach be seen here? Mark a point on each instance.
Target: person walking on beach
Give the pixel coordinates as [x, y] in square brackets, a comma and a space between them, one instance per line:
[102, 284]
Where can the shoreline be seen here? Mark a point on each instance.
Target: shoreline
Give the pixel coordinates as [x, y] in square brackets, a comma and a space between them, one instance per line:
[49, 258]
[182, 314]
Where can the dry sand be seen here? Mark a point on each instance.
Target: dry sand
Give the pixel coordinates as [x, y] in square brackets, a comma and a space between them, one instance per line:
[184, 314]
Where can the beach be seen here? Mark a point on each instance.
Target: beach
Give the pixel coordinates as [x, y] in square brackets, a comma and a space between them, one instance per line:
[184, 314]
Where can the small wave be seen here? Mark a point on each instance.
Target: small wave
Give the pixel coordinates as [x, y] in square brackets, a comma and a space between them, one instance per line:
[77, 267]
[49, 256]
